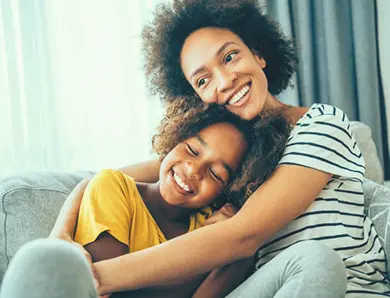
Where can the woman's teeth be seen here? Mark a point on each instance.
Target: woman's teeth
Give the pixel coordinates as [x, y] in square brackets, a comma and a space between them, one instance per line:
[239, 95]
[181, 183]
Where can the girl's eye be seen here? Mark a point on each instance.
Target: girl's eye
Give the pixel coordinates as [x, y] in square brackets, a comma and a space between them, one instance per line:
[215, 175]
[192, 151]
[230, 57]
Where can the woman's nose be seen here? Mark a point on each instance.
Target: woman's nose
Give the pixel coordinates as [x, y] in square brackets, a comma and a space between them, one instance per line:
[226, 80]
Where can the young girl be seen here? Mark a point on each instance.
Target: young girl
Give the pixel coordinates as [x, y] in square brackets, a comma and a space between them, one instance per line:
[203, 150]
[199, 162]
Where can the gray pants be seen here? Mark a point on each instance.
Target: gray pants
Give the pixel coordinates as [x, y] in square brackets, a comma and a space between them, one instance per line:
[54, 268]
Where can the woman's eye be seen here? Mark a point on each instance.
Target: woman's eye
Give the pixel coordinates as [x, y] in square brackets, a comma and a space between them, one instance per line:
[192, 151]
[230, 57]
[201, 82]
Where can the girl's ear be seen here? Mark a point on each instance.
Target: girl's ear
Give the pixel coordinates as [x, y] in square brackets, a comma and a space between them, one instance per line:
[259, 59]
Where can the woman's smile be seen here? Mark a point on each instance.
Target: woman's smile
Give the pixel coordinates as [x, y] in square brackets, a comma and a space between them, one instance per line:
[223, 70]
[241, 97]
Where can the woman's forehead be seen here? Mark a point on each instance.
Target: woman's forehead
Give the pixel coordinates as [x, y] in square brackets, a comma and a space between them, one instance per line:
[205, 44]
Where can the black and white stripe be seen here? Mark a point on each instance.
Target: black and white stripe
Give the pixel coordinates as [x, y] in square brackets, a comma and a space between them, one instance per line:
[322, 139]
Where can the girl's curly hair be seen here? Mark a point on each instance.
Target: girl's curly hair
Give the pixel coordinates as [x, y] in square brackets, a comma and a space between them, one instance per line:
[266, 138]
[164, 37]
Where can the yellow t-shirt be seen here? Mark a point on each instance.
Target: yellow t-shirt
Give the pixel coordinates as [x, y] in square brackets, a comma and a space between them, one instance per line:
[112, 203]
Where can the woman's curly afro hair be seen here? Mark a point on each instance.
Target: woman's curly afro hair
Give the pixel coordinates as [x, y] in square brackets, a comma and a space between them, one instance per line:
[164, 37]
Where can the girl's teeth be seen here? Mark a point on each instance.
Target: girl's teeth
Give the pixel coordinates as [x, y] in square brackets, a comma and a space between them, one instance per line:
[180, 182]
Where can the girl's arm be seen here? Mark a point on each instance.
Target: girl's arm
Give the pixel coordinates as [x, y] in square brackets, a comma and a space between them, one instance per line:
[220, 282]
[66, 221]
[147, 171]
[284, 196]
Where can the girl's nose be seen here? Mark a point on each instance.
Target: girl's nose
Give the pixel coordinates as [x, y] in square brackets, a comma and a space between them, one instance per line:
[193, 170]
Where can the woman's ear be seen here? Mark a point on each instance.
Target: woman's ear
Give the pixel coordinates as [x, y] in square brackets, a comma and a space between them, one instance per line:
[259, 59]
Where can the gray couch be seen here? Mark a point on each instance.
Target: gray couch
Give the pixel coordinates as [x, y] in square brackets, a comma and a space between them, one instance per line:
[31, 202]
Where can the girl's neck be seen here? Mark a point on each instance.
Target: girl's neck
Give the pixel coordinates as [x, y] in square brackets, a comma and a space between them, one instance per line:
[157, 206]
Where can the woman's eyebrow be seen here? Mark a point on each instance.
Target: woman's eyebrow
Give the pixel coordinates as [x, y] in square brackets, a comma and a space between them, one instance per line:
[217, 53]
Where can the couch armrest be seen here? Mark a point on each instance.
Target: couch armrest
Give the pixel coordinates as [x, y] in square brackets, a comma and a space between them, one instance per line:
[377, 207]
[30, 205]
[363, 136]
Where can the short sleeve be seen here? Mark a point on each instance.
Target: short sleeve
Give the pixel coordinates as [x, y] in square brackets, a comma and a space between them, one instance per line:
[325, 143]
[107, 205]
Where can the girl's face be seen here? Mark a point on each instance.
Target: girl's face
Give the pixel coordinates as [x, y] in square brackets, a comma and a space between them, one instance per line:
[223, 70]
[198, 169]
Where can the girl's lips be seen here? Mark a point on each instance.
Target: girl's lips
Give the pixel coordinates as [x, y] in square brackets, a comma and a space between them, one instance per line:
[244, 99]
[177, 187]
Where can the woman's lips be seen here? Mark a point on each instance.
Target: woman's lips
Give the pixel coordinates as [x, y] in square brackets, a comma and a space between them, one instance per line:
[243, 99]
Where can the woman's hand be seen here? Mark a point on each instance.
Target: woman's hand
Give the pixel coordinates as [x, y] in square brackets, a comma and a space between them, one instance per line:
[226, 212]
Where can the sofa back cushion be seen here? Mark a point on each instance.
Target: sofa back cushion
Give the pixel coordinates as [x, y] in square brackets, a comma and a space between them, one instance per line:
[30, 205]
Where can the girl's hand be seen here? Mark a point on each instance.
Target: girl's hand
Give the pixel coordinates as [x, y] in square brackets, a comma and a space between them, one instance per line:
[88, 257]
[226, 212]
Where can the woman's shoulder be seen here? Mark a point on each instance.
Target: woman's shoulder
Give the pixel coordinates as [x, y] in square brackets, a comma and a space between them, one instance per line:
[323, 112]
[322, 139]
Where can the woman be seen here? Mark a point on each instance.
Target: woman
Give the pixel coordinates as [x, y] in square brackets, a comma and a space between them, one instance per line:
[228, 53]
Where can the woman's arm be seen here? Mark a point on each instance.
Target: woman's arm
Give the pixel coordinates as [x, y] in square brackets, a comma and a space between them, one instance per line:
[220, 282]
[284, 196]
[147, 171]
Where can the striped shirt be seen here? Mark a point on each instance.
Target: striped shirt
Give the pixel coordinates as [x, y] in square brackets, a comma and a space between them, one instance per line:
[322, 140]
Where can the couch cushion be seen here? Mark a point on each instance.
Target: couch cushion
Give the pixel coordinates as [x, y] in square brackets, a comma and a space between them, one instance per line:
[30, 205]
[363, 137]
[377, 207]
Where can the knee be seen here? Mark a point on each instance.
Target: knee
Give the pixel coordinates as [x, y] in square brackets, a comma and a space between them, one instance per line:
[316, 254]
[49, 253]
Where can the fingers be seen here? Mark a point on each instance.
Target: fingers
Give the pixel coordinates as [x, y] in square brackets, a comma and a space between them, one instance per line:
[228, 209]
[216, 218]
[89, 259]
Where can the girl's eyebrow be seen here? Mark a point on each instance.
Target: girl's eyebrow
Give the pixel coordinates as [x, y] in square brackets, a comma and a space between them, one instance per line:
[224, 164]
[220, 50]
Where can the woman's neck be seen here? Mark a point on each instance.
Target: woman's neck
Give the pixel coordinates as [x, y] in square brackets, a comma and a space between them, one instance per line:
[291, 113]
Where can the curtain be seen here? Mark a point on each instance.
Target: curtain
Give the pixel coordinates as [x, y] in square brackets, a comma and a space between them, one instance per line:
[383, 23]
[337, 44]
[72, 89]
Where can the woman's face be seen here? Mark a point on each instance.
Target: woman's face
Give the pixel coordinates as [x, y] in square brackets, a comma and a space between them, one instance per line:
[198, 169]
[223, 70]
